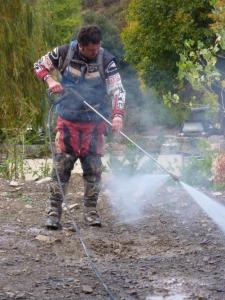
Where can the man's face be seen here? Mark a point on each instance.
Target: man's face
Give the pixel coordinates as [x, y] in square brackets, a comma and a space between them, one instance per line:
[90, 51]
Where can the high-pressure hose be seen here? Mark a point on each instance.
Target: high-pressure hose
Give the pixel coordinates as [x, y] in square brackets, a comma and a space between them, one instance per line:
[75, 225]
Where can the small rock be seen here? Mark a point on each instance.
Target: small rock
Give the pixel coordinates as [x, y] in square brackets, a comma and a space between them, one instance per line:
[71, 207]
[132, 292]
[37, 258]
[87, 289]
[44, 180]
[206, 259]
[14, 183]
[16, 189]
[34, 231]
[69, 196]
[127, 280]
[9, 231]
[212, 262]
[69, 229]
[10, 294]
[204, 242]
[15, 273]
[75, 205]
[64, 207]
[47, 239]
[28, 206]
[21, 295]
[217, 194]
[117, 251]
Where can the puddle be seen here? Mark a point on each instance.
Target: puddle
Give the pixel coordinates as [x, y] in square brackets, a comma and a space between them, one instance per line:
[171, 297]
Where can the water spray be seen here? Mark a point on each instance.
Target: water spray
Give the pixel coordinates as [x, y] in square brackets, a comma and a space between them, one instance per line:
[214, 210]
[207, 204]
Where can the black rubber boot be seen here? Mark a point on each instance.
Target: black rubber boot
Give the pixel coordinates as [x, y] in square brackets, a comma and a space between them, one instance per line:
[91, 216]
[64, 164]
[53, 222]
[54, 213]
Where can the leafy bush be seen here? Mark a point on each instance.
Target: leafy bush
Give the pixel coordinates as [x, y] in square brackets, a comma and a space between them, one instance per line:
[198, 170]
[12, 156]
[178, 50]
[219, 171]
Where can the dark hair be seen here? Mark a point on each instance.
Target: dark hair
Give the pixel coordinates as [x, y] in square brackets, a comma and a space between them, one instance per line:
[89, 34]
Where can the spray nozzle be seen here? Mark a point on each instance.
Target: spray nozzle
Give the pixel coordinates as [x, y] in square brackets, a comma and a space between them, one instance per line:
[174, 177]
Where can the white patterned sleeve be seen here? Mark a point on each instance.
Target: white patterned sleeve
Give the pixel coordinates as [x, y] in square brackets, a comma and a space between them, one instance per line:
[115, 89]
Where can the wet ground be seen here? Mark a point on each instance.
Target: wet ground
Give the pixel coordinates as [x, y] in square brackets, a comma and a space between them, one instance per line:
[174, 251]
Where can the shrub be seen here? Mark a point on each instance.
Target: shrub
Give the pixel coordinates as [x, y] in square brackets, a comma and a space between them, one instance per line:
[198, 170]
[219, 170]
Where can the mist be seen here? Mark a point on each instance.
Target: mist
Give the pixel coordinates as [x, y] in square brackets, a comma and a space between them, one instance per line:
[135, 178]
[128, 194]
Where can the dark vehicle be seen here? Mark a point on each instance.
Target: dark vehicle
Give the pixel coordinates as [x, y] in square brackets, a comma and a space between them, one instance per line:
[198, 124]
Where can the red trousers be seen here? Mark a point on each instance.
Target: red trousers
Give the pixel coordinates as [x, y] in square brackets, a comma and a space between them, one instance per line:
[80, 139]
[73, 141]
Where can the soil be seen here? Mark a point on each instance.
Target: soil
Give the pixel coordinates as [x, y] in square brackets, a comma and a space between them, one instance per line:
[173, 252]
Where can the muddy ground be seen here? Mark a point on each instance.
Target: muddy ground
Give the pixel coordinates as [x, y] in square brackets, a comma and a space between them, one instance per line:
[173, 252]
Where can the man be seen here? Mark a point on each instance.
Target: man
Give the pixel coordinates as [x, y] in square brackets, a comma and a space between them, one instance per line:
[92, 72]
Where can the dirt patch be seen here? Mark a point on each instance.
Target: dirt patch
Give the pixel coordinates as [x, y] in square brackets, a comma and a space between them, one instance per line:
[174, 251]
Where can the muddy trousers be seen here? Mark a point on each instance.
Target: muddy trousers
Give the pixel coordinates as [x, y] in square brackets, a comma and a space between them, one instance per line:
[92, 169]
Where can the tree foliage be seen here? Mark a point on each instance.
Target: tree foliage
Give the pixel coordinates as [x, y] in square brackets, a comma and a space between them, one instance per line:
[21, 36]
[27, 30]
[156, 33]
[64, 20]
[218, 16]
[173, 45]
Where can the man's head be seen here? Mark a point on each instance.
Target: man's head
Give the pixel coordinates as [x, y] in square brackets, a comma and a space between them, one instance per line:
[89, 41]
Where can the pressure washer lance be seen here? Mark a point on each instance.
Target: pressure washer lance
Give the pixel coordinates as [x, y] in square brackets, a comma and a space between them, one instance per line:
[72, 218]
[174, 177]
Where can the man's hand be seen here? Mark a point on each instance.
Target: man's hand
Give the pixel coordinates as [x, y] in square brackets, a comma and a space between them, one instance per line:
[117, 123]
[54, 86]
